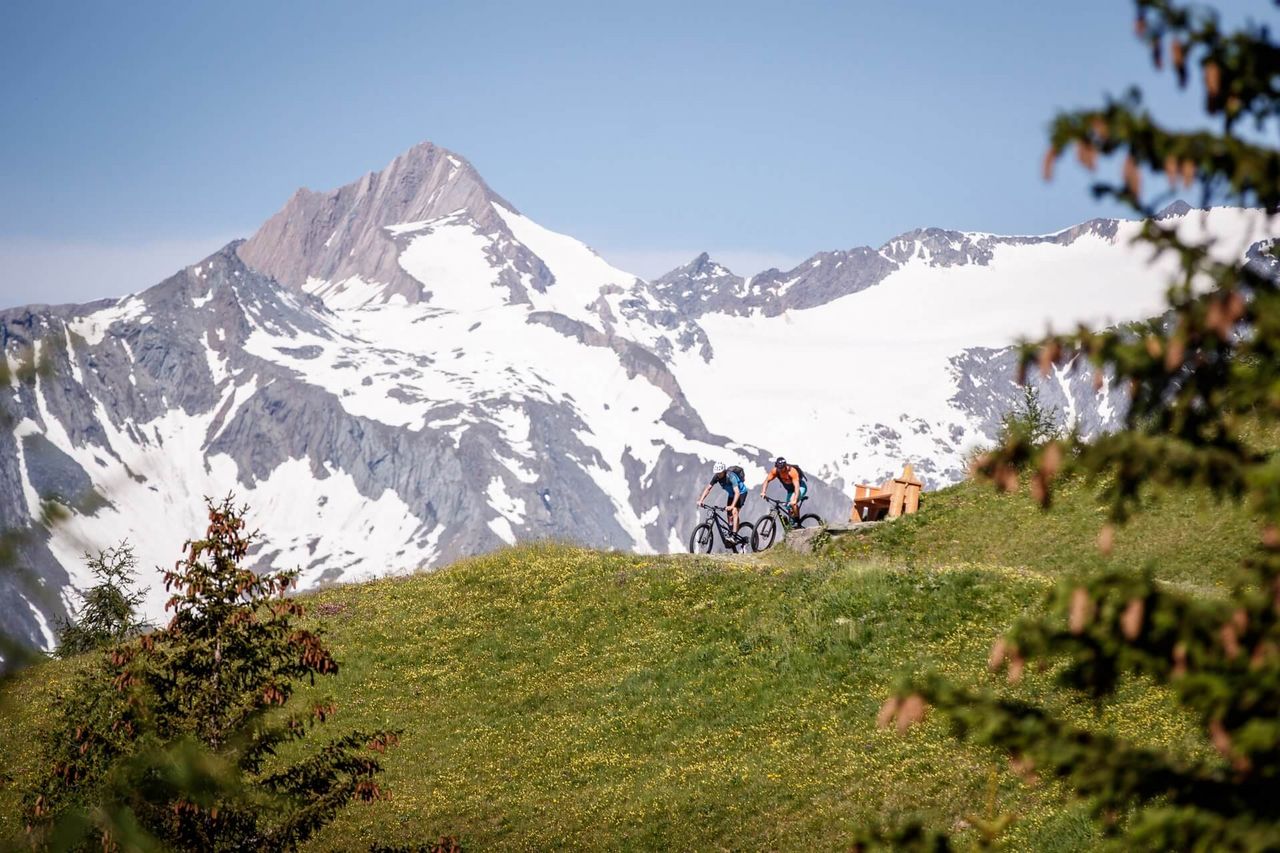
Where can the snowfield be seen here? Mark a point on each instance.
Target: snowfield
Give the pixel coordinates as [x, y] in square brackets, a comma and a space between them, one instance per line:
[442, 375]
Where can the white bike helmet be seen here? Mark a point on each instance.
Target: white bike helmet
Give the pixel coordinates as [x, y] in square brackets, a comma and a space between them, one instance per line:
[717, 468]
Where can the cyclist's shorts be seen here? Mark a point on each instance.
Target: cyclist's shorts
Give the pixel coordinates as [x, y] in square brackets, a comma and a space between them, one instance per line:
[804, 489]
[736, 501]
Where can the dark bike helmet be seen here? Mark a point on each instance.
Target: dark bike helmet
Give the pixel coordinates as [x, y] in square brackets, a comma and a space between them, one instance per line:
[779, 462]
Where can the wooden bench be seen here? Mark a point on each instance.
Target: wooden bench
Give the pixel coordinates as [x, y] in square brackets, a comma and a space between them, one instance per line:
[895, 497]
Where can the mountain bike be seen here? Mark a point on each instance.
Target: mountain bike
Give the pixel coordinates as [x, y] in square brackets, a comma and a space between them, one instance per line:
[717, 521]
[780, 516]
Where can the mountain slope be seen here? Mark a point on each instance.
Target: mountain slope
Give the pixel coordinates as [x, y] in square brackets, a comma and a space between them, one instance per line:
[406, 370]
[337, 236]
[875, 357]
[553, 697]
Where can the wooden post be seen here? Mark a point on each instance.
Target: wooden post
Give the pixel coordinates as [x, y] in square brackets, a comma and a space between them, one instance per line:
[908, 486]
[860, 491]
[897, 496]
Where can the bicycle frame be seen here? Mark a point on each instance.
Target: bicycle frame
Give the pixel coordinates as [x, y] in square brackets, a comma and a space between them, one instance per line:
[719, 517]
[782, 508]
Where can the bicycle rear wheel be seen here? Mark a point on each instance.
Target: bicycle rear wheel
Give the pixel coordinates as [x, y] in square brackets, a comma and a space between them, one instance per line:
[810, 520]
[766, 530]
[746, 538]
[700, 541]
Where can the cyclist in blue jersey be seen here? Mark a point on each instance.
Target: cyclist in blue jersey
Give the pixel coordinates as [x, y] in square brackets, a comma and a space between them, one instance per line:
[734, 482]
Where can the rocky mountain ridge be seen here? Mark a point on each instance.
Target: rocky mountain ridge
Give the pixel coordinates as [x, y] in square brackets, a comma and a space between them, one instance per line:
[406, 370]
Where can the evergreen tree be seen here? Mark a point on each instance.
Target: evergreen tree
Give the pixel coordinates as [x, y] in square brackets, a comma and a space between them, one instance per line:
[1030, 420]
[108, 613]
[173, 741]
[1204, 382]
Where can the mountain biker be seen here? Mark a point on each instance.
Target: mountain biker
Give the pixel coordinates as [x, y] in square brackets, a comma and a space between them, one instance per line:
[792, 479]
[734, 482]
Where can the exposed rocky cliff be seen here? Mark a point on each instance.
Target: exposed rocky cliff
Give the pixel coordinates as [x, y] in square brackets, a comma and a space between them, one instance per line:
[406, 370]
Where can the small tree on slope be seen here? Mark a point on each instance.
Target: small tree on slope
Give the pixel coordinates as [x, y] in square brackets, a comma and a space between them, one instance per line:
[1204, 382]
[172, 742]
[1030, 420]
[109, 611]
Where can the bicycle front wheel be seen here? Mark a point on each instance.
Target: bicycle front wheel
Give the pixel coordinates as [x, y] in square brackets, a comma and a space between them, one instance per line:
[766, 530]
[700, 541]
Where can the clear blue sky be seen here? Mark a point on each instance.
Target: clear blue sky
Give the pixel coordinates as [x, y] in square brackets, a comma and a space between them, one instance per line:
[139, 135]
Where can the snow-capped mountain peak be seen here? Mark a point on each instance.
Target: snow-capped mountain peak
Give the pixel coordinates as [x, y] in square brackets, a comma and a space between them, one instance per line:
[407, 369]
[338, 235]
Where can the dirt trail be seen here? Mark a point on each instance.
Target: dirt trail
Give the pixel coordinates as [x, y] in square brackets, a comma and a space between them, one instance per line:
[800, 541]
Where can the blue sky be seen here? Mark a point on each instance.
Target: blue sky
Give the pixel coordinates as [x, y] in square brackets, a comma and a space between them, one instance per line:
[139, 136]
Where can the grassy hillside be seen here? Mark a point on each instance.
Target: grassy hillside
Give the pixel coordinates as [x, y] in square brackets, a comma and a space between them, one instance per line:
[552, 696]
[1186, 537]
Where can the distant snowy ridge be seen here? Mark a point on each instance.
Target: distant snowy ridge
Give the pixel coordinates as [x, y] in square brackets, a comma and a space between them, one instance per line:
[914, 359]
[407, 370]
